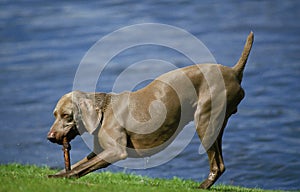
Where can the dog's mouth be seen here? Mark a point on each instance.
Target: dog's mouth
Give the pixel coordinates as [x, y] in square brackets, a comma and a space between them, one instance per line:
[55, 137]
[51, 138]
[72, 133]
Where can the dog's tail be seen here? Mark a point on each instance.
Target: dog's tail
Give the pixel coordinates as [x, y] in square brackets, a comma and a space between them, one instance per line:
[240, 65]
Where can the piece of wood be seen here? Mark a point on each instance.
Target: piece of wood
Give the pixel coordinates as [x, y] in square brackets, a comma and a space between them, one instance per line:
[66, 149]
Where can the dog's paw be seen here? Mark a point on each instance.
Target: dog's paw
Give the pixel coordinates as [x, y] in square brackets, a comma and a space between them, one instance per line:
[64, 175]
[206, 184]
[55, 176]
[58, 175]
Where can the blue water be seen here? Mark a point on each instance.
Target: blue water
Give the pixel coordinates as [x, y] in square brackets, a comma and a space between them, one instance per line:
[42, 44]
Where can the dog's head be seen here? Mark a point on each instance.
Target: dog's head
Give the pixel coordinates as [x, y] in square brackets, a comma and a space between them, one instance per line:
[75, 113]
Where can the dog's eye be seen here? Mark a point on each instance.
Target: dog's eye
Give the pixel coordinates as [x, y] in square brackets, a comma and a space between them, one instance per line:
[67, 117]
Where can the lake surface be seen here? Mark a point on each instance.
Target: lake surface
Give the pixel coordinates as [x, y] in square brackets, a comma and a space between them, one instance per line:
[42, 44]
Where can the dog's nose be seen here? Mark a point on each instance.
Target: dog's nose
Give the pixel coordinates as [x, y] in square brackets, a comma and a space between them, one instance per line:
[51, 137]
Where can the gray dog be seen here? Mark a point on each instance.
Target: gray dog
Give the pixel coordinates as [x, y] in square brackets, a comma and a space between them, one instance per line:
[144, 122]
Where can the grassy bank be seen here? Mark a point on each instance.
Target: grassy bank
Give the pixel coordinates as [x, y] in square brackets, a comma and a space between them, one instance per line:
[17, 177]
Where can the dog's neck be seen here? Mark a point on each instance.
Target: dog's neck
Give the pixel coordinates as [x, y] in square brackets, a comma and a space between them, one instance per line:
[102, 100]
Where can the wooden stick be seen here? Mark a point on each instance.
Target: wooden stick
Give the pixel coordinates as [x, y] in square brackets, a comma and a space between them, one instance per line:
[66, 149]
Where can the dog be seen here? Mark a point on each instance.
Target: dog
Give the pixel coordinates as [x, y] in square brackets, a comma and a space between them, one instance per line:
[144, 122]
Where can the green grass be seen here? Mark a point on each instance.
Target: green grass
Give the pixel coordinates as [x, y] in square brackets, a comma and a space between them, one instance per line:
[16, 177]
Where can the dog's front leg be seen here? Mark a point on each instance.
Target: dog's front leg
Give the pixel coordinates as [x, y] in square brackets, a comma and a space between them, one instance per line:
[93, 164]
[114, 143]
[62, 173]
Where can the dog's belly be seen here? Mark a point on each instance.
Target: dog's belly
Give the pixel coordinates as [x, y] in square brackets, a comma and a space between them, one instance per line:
[141, 145]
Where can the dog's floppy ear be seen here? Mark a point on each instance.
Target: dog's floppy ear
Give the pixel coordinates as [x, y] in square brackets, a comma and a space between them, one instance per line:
[86, 114]
[90, 117]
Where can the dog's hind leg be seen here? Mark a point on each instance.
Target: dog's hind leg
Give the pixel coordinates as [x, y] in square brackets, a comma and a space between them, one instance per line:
[216, 164]
[211, 142]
